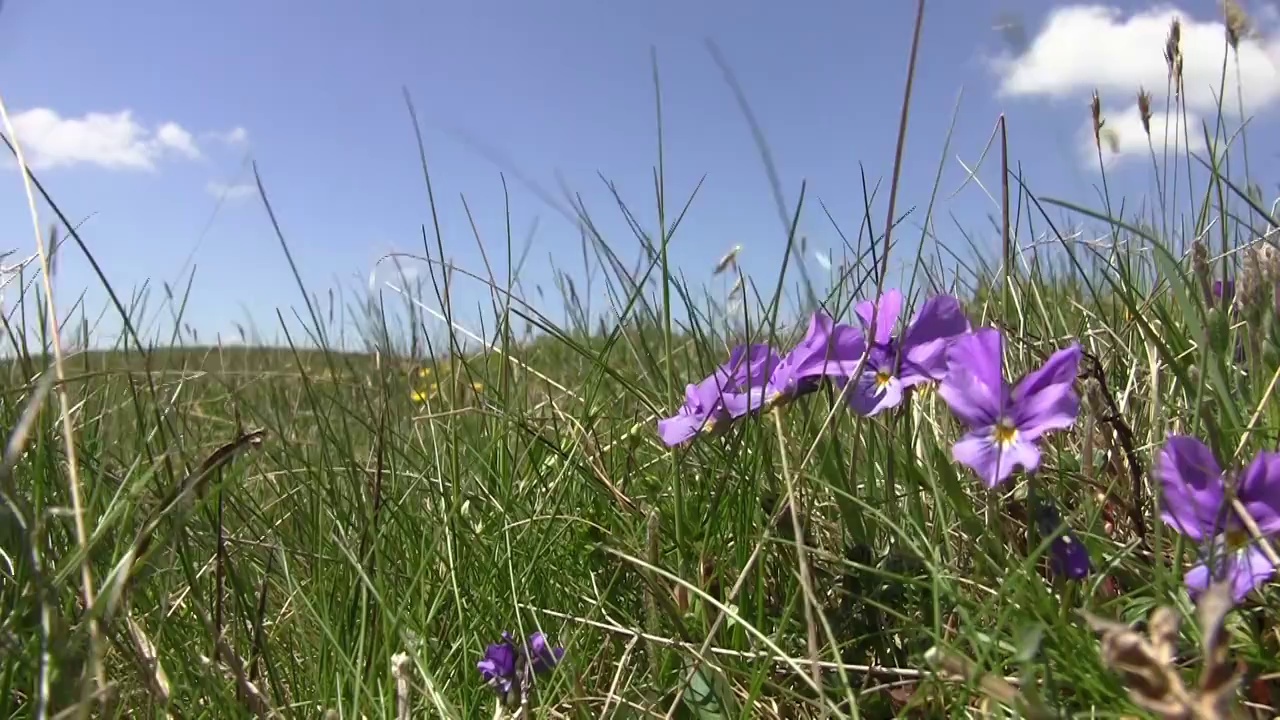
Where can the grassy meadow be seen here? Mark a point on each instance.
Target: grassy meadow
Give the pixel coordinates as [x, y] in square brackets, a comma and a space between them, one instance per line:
[234, 531]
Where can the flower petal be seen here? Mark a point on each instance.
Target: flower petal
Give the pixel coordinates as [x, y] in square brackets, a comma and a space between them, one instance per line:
[1223, 292]
[747, 365]
[1259, 491]
[867, 397]
[741, 404]
[702, 396]
[543, 656]
[885, 311]
[1193, 488]
[941, 316]
[498, 667]
[753, 374]
[1061, 368]
[678, 429]
[924, 343]
[828, 349]
[1250, 570]
[1053, 408]
[925, 362]
[1246, 570]
[979, 451]
[1068, 557]
[1197, 580]
[974, 386]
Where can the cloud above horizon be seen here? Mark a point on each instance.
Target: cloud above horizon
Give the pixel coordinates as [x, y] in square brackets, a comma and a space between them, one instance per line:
[230, 191]
[107, 140]
[1084, 47]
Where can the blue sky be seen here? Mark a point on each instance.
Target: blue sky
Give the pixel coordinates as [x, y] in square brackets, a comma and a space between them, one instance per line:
[561, 89]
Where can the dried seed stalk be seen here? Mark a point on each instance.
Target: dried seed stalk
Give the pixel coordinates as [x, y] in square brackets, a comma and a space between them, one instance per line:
[1148, 662]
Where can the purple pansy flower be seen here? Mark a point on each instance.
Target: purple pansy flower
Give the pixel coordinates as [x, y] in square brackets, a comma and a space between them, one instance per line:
[918, 356]
[746, 389]
[1197, 505]
[702, 412]
[504, 663]
[1005, 423]
[544, 656]
[828, 349]
[723, 396]
[498, 667]
[1068, 557]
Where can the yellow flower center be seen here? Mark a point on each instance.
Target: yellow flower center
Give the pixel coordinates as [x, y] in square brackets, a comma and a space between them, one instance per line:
[1236, 539]
[1005, 434]
[882, 379]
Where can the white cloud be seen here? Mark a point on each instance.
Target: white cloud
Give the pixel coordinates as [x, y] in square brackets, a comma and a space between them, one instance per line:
[399, 271]
[235, 136]
[175, 137]
[1081, 48]
[115, 141]
[233, 191]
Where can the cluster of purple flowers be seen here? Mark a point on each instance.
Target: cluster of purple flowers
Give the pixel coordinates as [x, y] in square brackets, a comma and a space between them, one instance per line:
[875, 364]
[1005, 420]
[756, 378]
[506, 665]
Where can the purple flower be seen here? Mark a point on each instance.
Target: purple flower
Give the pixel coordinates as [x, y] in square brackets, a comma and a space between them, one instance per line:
[1222, 293]
[1068, 557]
[746, 388]
[918, 356]
[498, 668]
[828, 349]
[1005, 423]
[702, 412]
[504, 663]
[544, 657]
[1196, 504]
[726, 394]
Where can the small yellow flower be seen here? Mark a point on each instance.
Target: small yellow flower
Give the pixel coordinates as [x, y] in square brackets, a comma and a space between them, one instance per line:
[421, 396]
[424, 372]
[477, 387]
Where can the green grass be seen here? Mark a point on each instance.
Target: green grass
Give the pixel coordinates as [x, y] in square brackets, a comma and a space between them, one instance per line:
[281, 571]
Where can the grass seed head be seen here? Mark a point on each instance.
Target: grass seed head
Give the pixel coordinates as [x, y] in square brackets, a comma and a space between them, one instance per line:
[1144, 110]
[1200, 268]
[729, 261]
[1253, 282]
[1173, 54]
[1268, 257]
[1095, 109]
[1237, 21]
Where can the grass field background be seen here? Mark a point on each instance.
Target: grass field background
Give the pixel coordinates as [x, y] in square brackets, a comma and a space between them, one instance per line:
[305, 531]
